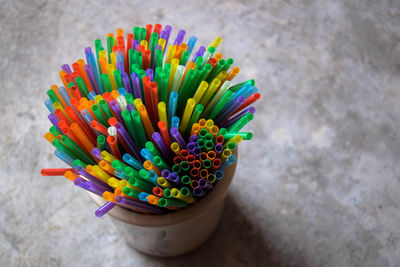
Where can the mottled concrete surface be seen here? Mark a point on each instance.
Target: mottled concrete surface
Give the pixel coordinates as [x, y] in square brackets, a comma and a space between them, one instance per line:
[318, 186]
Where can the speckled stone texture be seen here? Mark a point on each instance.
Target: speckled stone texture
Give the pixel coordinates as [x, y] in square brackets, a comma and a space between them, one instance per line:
[318, 186]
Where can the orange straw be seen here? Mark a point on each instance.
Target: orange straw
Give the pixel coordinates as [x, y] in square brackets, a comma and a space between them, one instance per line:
[114, 146]
[146, 120]
[83, 138]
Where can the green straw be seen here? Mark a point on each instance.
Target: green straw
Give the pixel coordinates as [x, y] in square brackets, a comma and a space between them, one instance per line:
[105, 80]
[152, 149]
[152, 45]
[77, 149]
[137, 122]
[209, 145]
[241, 123]
[159, 58]
[207, 164]
[99, 116]
[227, 65]
[167, 192]
[131, 192]
[185, 180]
[110, 44]
[82, 86]
[78, 162]
[217, 69]
[105, 109]
[200, 143]
[60, 146]
[144, 176]
[130, 172]
[203, 133]
[222, 131]
[54, 131]
[231, 146]
[185, 165]
[244, 135]
[160, 163]
[118, 80]
[129, 98]
[140, 184]
[164, 202]
[119, 165]
[208, 137]
[101, 139]
[176, 168]
[53, 97]
[135, 32]
[129, 125]
[184, 58]
[221, 104]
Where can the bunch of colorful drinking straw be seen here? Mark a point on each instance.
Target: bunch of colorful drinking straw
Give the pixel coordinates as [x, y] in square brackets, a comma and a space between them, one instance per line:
[147, 126]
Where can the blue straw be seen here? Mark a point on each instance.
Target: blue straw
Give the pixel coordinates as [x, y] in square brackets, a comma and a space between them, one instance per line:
[49, 105]
[132, 161]
[64, 94]
[191, 43]
[173, 100]
[64, 157]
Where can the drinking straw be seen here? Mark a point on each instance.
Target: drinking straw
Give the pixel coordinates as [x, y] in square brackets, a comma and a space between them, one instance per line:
[187, 114]
[64, 157]
[164, 133]
[173, 98]
[178, 137]
[241, 123]
[54, 172]
[253, 98]
[239, 115]
[100, 212]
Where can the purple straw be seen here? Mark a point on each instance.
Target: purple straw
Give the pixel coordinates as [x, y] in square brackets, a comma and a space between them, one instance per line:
[161, 145]
[167, 30]
[235, 118]
[130, 108]
[218, 149]
[150, 73]
[97, 153]
[174, 178]
[115, 108]
[128, 141]
[197, 151]
[165, 173]
[135, 44]
[198, 192]
[89, 186]
[54, 120]
[66, 68]
[203, 184]
[100, 212]
[126, 82]
[178, 137]
[179, 37]
[194, 138]
[229, 109]
[92, 79]
[81, 171]
[136, 85]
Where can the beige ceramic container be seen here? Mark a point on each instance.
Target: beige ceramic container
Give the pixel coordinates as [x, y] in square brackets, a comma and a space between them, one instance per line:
[174, 233]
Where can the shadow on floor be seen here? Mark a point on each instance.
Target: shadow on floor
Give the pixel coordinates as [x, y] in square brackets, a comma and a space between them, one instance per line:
[236, 242]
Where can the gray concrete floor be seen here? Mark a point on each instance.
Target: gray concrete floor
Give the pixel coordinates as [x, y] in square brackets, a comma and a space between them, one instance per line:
[318, 186]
